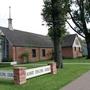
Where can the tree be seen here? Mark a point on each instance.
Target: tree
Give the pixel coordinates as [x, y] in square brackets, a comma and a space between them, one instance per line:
[54, 13]
[79, 13]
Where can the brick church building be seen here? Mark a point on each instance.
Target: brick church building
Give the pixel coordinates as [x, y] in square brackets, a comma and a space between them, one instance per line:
[16, 45]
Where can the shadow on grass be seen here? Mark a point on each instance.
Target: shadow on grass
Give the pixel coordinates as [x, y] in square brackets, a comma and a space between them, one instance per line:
[6, 82]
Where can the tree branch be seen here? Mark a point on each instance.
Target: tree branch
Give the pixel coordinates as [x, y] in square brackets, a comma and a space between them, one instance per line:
[78, 2]
[81, 7]
[75, 22]
[74, 29]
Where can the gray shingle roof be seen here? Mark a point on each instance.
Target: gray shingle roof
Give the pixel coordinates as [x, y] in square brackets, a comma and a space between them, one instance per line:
[21, 38]
[68, 40]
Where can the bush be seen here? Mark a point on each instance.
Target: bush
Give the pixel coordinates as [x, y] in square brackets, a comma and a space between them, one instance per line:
[25, 57]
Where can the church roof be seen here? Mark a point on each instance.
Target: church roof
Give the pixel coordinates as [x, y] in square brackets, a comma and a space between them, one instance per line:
[68, 40]
[26, 39]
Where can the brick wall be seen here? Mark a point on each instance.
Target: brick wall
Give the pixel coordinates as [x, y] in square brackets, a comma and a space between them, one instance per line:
[71, 52]
[18, 51]
[77, 52]
[67, 52]
[48, 53]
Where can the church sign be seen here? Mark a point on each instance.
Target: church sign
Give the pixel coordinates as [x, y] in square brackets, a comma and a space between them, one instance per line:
[37, 71]
[29, 72]
[20, 74]
[6, 74]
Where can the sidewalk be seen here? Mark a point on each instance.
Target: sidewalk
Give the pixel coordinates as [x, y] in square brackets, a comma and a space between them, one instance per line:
[81, 83]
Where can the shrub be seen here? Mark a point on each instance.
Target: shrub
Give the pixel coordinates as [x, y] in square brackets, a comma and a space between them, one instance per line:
[25, 57]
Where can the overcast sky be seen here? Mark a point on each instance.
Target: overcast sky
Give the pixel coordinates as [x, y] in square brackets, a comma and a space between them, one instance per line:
[26, 15]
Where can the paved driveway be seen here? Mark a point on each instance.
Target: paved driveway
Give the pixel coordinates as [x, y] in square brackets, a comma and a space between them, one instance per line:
[81, 83]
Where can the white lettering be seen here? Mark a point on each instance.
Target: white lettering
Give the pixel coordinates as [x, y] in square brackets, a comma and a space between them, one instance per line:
[6, 74]
[37, 71]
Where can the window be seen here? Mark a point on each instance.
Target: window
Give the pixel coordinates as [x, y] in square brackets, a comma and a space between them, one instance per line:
[79, 49]
[75, 48]
[43, 52]
[33, 52]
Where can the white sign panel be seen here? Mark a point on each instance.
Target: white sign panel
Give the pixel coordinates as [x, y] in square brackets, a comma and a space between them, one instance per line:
[6, 74]
[37, 71]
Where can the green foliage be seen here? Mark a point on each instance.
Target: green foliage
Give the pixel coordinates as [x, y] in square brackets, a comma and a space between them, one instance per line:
[25, 57]
[54, 13]
[25, 54]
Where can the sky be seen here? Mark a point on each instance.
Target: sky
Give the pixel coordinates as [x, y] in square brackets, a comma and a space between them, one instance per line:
[26, 15]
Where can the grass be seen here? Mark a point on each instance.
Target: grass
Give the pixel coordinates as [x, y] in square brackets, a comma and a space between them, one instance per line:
[77, 60]
[27, 65]
[48, 81]
[5, 67]
[41, 63]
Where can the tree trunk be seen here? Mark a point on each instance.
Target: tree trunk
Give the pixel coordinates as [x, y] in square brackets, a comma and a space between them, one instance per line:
[88, 50]
[88, 45]
[58, 53]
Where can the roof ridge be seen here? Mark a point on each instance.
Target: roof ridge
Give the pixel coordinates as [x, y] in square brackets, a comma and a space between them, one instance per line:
[23, 31]
[29, 32]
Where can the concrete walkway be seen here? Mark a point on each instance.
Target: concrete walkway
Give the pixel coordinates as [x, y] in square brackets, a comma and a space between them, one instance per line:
[81, 83]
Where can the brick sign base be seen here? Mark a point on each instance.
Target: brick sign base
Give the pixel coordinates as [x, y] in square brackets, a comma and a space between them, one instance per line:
[53, 68]
[19, 75]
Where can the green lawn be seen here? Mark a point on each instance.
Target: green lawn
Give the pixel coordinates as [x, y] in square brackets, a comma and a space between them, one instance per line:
[41, 63]
[77, 60]
[49, 81]
[5, 67]
[28, 65]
